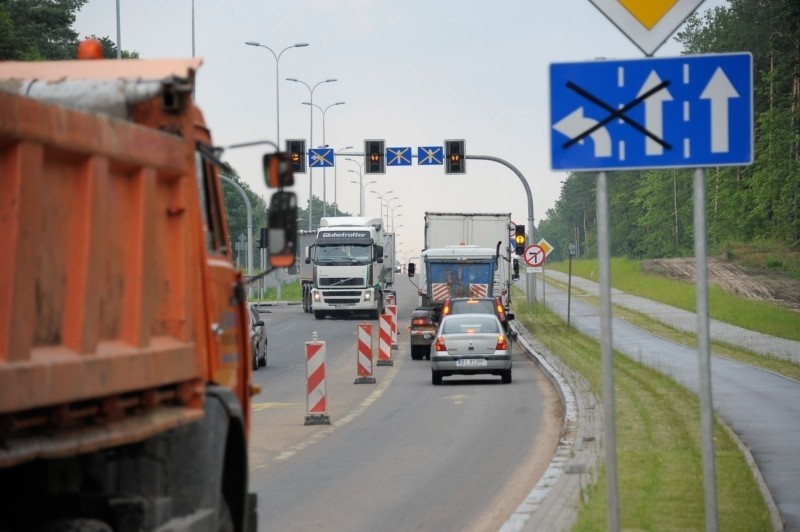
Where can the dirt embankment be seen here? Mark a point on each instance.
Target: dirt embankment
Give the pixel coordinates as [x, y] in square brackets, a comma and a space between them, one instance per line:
[758, 285]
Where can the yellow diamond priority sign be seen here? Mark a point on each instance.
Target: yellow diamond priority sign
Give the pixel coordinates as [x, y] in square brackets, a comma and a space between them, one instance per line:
[648, 23]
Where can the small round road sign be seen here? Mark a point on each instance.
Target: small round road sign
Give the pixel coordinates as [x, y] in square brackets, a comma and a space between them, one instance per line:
[534, 255]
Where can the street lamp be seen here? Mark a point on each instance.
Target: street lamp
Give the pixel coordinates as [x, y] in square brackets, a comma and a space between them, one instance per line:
[336, 179]
[324, 168]
[363, 187]
[277, 87]
[311, 141]
[391, 226]
[385, 201]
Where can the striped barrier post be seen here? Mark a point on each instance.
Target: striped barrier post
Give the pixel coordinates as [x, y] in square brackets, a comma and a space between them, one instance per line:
[385, 341]
[364, 354]
[392, 310]
[316, 394]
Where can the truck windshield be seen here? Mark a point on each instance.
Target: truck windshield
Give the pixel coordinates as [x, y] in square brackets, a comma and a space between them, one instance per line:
[343, 254]
[459, 279]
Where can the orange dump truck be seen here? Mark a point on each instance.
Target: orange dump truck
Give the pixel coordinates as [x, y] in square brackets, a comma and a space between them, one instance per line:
[124, 376]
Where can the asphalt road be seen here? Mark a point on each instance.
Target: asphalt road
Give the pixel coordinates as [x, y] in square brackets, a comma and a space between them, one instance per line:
[400, 454]
[762, 408]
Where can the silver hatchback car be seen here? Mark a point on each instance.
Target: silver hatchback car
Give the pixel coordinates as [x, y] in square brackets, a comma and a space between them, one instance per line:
[470, 344]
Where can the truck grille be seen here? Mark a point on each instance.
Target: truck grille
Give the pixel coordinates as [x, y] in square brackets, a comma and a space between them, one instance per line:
[342, 281]
[341, 297]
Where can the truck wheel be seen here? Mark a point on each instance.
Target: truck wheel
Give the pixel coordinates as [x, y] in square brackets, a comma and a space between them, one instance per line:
[319, 314]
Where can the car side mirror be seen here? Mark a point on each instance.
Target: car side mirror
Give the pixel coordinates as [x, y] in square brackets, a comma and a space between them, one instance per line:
[412, 268]
[282, 229]
[516, 269]
[509, 315]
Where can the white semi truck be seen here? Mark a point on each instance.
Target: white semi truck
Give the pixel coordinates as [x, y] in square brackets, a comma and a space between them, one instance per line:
[305, 268]
[351, 273]
[465, 255]
[483, 230]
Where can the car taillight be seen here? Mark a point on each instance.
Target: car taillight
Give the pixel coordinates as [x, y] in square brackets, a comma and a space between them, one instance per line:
[446, 308]
[421, 321]
[502, 343]
[440, 344]
[501, 311]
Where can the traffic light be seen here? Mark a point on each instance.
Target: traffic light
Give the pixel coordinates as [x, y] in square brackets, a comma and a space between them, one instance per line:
[297, 151]
[375, 154]
[262, 241]
[454, 160]
[519, 240]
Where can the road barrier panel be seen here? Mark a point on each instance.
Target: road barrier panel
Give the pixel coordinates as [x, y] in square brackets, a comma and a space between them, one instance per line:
[316, 393]
[385, 341]
[392, 311]
[364, 354]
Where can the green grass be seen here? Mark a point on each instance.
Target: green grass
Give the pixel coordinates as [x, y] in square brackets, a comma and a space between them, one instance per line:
[658, 444]
[289, 292]
[627, 275]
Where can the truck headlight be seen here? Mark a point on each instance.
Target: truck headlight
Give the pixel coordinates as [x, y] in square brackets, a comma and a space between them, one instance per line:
[317, 297]
[368, 295]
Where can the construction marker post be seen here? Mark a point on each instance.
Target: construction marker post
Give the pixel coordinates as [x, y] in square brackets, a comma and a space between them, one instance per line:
[385, 341]
[364, 354]
[316, 394]
[392, 311]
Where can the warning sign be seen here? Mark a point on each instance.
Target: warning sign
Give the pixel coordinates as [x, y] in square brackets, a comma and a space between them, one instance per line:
[648, 23]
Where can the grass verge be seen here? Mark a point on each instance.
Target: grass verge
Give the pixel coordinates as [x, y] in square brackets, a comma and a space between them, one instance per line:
[627, 275]
[659, 455]
[777, 365]
[289, 292]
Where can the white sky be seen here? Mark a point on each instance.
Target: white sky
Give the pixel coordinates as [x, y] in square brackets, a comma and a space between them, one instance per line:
[413, 73]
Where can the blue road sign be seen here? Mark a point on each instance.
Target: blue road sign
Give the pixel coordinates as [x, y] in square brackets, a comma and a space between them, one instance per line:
[427, 155]
[320, 157]
[398, 156]
[689, 111]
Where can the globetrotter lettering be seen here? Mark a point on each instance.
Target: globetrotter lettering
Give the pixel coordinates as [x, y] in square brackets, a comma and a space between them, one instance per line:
[353, 234]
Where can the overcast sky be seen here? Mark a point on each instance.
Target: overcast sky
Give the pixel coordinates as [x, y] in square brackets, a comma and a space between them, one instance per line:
[414, 73]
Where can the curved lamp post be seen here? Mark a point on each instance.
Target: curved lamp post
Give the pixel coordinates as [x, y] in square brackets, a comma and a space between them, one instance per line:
[363, 187]
[336, 179]
[311, 141]
[324, 143]
[277, 87]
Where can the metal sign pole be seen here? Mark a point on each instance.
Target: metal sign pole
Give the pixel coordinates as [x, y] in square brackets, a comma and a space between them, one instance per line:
[607, 352]
[704, 350]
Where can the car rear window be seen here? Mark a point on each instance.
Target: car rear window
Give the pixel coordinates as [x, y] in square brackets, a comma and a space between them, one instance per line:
[475, 306]
[475, 324]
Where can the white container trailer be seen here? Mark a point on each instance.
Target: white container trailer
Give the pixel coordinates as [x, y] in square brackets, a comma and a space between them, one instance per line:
[485, 230]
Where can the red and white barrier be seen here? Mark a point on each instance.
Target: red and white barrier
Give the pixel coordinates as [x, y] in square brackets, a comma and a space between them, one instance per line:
[364, 354]
[392, 311]
[316, 394]
[385, 341]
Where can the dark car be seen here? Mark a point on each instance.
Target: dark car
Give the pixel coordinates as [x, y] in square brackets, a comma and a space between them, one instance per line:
[478, 305]
[258, 337]
[470, 344]
[421, 332]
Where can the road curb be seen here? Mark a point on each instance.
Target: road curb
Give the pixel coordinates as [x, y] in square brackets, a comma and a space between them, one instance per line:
[554, 501]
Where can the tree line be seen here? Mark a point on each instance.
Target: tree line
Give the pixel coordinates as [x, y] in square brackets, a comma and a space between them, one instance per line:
[651, 211]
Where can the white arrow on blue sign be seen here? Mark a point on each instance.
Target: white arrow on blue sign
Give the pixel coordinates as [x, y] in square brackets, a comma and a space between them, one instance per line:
[427, 155]
[398, 156]
[689, 111]
[320, 157]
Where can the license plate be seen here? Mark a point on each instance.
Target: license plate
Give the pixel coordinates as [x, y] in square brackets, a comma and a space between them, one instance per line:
[470, 362]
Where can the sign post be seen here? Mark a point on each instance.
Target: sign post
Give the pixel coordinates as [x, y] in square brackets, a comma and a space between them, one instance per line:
[690, 112]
